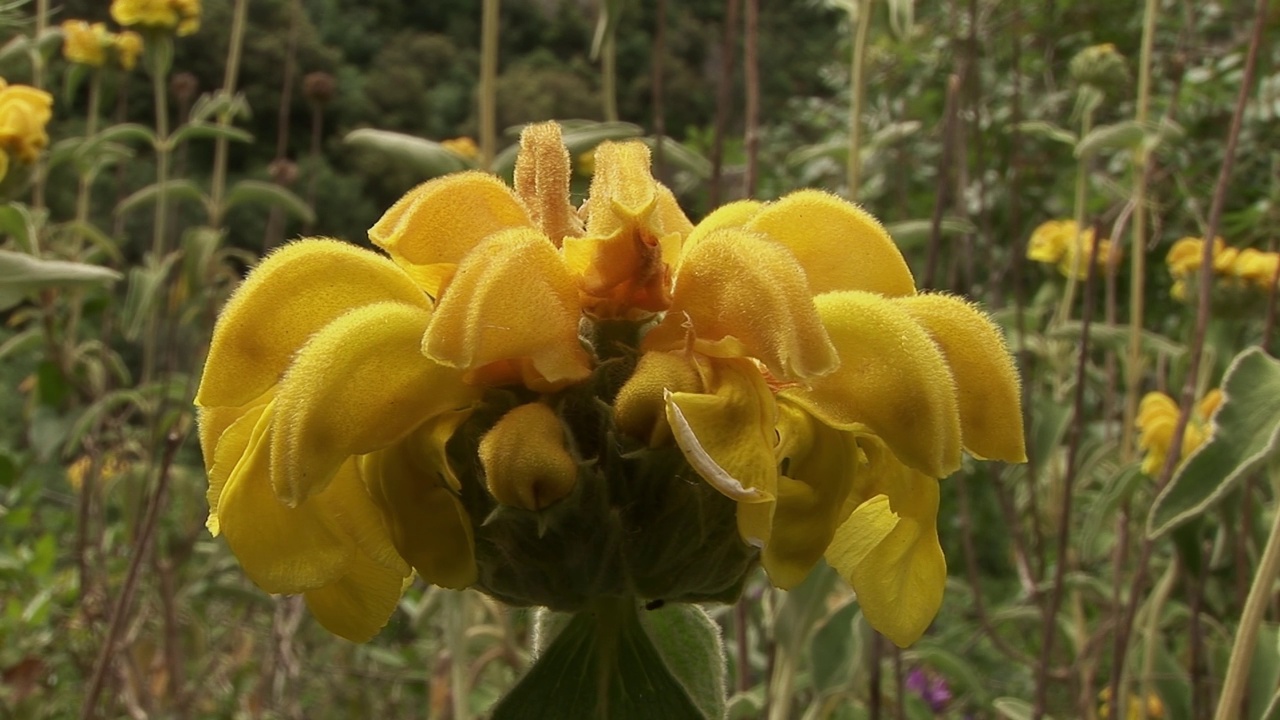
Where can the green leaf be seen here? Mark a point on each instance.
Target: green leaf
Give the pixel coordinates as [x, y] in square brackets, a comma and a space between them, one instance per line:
[680, 156]
[914, 233]
[145, 284]
[959, 671]
[1246, 434]
[206, 130]
[173, 190]
[1171, 683]
[126, 132]
[1264, 670]
[802, 608]
[603, 664]
[429, 158]
[1116, 338]
[22, 274]
[1015, 709]
[1124, 135]
[19, 223]
[264, 193]
[836, 649]
[689, 641]
[1039, 128]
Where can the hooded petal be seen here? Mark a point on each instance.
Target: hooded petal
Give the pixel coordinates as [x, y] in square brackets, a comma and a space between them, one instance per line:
[526, 460]
[429, 526]
[818, 472]
[727, 435]
[348, 502]
[542, 174]
[297, 290]
[640, 409]
[225, 434]
[358, 604]
[283, 549]
[734, 215]
[840, 245]
[512, 299]
[742, 295]
[433, 227]
[986, 379]
[633, 235]
[359, 385]
[892, 380]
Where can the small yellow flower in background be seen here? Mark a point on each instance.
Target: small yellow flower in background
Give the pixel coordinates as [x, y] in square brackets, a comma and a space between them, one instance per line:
[1158, 418]
[113, 466]
[84, 43]
[128, 45]
[1242, 268]
[1062, 243]
[181, 16]
[463, 147]
[1152, 709]
[24, 112]
[517, 398]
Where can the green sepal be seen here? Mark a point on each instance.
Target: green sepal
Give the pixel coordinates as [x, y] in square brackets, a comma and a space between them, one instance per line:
[605, 664]
[1246, 434]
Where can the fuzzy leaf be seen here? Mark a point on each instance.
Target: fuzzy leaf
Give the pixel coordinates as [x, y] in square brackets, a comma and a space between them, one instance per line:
[22, 274]
[265, 193]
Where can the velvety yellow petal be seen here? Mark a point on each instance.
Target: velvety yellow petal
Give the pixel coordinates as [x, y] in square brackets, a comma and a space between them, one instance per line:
[436, 224]
[283, 549]
[818, 472]
[623, 190]
[526, 459]
[840, 245]
[986, 379]
[512, 299]
[358, 604]
[224, 437]
[727, 435]
[297, 290]
[640, 409]
[348, 502]
[429, 526]
[892, 380]
[359, 385]
[888, 551]
[542, 174]
[734, 215]
[741, 294]
[1208, 404]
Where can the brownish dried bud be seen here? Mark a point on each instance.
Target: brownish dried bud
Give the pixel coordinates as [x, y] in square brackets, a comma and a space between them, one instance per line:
[283, 171]
[184, 86]
[319, 87]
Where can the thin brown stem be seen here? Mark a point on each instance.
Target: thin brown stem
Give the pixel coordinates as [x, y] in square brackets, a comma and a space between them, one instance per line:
[942, 195]
[657, 63]
[724, 91]
[751, 71]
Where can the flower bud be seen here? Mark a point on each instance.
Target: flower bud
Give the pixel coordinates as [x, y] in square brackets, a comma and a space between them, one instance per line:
[525, 460]
[319, 87]
[640, 409]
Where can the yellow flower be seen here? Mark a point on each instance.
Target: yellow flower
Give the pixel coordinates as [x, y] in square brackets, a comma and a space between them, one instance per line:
[1256, 267]
[463, 147]
[829, 396]
[1153, 708]
[518, 397]
[112, 467]
[24, 112]
[1158, 418]
[182, 16]
[1062, 243]
[84, 43]
[128, 46]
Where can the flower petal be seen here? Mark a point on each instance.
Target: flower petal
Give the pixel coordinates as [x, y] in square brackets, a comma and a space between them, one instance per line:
[727, 436]
[840, 245]
[225, 434]
[359, 385]
[437, 223]
[297, 290]
[525, 458]
[734, 215]
[358, 604]
[743, 295]
[892, 380]
[819, 464]
[512, 299]
[542, 174]
[283, 549]
[986, 379]
[888, 551]
[429, 526]
[640, 409]
[348, 502]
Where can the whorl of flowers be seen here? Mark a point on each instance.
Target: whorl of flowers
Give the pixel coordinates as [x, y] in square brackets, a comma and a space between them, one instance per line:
[180, 16]
[1064, 244]
[91, 45]
[1158, 418]
[1245, 268]
[24, 113]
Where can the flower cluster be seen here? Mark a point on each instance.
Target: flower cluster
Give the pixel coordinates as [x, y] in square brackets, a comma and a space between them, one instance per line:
[1150, 709]
[1063, 243]
[24, 112]
[1157, 419]
[180, 16]
[553, 404]
[91, 44]
[1242, 269]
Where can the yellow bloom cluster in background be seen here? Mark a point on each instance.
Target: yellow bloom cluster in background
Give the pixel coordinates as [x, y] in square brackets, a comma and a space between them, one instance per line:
[463, 147]
[1063, 243]
[113, 466]
[90, 44]
[1245, 268]
[1152, 709]
[24, 112]
[1158, 418]
[181, 16]
[517, 361]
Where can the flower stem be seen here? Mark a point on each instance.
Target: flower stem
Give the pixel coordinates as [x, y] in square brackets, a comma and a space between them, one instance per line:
[488, 82]
[459, 683]
[1081, 253]
[159, 69]
[857, 89]
[1255, 609]
[218, 183]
